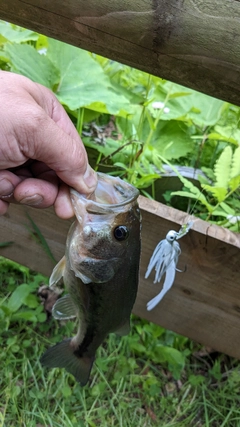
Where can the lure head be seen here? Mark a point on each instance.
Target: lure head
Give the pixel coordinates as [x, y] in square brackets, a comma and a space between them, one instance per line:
[171, 236]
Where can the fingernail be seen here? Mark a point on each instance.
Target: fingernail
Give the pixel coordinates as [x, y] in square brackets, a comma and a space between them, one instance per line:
[90, 178]
[6, 187]
[34, 200]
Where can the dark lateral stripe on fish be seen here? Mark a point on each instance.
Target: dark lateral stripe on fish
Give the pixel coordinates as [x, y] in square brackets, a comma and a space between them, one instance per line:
[82, 349]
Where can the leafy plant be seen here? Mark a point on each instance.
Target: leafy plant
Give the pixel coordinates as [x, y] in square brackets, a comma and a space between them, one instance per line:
[226, 181]
[21, 303]
[131, 122]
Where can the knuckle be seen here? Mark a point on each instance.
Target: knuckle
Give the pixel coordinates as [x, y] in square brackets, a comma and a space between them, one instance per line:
[32, 121]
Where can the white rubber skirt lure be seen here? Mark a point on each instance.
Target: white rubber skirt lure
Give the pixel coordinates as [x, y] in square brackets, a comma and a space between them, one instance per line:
[164, 260]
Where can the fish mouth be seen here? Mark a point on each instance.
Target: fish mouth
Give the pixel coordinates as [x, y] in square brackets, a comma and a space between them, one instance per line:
[111, 193]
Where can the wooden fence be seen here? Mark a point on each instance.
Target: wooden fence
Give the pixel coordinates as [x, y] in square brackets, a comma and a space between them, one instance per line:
[204, 303]
[192, 42]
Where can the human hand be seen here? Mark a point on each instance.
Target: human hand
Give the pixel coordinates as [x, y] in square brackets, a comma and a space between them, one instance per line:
[41, 153]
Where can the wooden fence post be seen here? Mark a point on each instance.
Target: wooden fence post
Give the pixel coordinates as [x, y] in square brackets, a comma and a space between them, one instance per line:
[192, 42]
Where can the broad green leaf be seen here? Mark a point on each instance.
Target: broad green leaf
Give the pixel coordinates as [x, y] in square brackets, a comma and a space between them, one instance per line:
[172, 140]
[16, 34]
[129, 93]
[137, 347]
[90, 115]
[126, 127]
[25, 315]
[31, 301]
[27, 61]
[200, 108]
[42, 317]
[18, 297]
[210, 109]
[2, 40]
[222, 168]
[83, 81]
[173, 356]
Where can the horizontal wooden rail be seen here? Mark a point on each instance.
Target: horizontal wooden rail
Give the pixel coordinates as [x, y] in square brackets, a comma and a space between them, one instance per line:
[192, 42]
[204, 303]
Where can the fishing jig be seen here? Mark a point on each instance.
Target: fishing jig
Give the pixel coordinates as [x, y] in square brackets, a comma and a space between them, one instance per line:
[164, 260]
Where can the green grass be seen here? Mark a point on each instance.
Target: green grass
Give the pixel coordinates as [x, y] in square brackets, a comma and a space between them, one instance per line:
[133, 383]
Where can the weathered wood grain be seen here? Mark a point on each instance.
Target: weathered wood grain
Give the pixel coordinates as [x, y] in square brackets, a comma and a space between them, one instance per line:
[204, 303]
[192, 42]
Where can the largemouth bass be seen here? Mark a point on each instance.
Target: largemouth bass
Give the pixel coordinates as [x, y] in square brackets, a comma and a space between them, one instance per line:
[100, 272]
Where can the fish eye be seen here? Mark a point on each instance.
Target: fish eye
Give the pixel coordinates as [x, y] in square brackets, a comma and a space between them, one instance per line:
[121, 232]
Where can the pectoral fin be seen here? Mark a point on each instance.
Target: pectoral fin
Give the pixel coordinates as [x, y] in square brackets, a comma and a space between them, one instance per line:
[64, 308]
[57, 272]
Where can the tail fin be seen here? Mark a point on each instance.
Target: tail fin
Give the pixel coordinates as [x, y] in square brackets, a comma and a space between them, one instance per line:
[62, 355]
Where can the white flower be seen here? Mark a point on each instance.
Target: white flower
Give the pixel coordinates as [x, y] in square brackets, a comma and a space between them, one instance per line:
[166, 110]
[157, 105]
[233, 219]
[43, 51]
